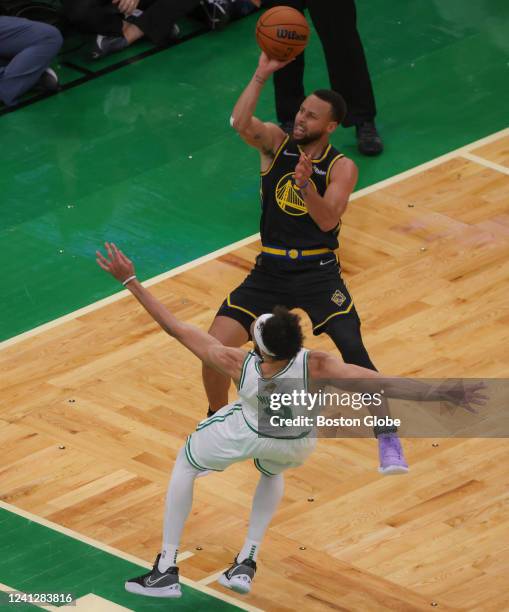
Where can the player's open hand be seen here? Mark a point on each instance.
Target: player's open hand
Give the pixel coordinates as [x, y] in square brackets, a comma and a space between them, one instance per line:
[116, 264]
[466, 395]
[303, 170]
[267, 66]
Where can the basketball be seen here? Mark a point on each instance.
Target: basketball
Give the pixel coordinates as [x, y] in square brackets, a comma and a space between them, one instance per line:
[282, 32]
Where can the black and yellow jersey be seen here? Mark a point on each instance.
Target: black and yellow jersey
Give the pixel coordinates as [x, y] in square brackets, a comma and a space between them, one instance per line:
[285, 221]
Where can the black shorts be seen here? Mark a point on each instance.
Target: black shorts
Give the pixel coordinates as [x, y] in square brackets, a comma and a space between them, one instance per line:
[316, 287]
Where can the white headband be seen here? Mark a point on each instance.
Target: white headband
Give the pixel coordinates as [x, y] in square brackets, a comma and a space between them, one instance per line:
[257, 333]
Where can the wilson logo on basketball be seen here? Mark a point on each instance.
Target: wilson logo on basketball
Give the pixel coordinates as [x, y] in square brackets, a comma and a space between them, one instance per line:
[290, 34]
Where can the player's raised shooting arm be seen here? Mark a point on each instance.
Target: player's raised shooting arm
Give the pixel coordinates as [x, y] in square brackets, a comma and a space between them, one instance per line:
[266, 137]
[208, 349]
[326, 211]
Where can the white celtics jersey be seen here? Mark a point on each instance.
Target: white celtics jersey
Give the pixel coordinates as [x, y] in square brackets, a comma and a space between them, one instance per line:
[260, 397]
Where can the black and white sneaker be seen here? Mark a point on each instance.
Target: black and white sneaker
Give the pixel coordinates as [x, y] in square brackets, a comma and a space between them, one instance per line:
[106, 45]
[48, 81]
[156, 583]
[239, 577]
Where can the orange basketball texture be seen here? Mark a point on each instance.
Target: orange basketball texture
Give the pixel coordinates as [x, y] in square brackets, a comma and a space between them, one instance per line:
[282, 32]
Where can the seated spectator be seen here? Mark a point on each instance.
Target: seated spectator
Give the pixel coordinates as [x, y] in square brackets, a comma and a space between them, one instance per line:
[119, 23]
[26, 50]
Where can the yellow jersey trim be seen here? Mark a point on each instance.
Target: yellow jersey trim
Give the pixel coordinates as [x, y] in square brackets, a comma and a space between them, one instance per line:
[228, 301]
[324, 155]
[334, 314]
[276, 155]
[335, 159]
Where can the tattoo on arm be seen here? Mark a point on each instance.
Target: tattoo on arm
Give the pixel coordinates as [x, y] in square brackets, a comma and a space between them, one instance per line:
[265, 150]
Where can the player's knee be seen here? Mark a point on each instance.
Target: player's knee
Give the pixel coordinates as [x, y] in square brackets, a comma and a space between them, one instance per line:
[346, 335]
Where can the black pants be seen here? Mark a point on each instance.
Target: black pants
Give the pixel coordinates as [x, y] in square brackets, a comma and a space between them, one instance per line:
[103, 17]
[336, 24]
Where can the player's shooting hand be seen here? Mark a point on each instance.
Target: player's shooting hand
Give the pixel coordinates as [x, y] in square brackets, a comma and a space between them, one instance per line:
[116, 264]
[466, 395]
[303, 170]
[267, 66]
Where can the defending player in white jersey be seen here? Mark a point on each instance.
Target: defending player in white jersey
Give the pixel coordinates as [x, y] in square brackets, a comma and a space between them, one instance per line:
[231, 435]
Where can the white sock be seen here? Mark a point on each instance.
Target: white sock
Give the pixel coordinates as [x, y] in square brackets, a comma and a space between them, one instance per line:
[168, 557]
[179, 500]
[249, 551]
[267, 496]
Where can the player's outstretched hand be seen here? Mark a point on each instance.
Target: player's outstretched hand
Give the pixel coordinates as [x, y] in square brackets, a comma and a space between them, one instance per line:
[466, 395]
[116, 264]
[267, 66]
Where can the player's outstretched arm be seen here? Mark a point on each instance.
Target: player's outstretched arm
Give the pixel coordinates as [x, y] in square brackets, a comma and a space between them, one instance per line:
[323, 366]
[266, 137]
[225, 359]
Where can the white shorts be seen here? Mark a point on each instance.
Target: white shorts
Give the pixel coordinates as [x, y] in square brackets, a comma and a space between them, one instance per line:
[226, 438]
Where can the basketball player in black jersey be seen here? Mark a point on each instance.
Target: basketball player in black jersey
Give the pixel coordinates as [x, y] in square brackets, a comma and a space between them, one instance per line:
[305, 187]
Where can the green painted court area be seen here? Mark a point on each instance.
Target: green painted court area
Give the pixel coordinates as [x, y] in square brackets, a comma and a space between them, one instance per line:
[37, 559]
[144, 156]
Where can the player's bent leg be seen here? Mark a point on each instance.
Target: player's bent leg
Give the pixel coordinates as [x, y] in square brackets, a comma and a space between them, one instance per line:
[230, 333]
[269, 492]
[163, 579]
[345, 332]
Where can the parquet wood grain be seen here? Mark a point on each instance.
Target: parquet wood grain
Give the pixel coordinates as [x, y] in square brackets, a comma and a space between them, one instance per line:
[427, 261]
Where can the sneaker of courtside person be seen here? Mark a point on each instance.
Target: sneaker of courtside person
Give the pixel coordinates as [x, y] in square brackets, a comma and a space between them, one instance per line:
[48, 81]
[106, 45]
[156, 583]
[392, 460]
[239, 577]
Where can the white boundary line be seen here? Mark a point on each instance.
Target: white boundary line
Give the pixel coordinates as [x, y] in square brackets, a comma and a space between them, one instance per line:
[485, 162]
[123, 555]
[240, 243]
[212, 577]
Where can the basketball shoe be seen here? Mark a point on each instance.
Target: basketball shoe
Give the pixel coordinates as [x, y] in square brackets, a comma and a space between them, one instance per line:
[392, 460]
[239, 577]
[156, 583]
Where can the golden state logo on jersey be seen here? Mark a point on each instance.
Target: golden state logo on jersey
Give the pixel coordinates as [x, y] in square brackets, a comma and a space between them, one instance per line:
[288, 197]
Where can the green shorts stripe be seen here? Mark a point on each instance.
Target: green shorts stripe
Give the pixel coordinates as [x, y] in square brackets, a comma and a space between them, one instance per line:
[217, 419]
[193, 461]
[261, 469]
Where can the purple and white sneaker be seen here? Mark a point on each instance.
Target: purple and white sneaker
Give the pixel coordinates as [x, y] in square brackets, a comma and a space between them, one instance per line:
[392, 460]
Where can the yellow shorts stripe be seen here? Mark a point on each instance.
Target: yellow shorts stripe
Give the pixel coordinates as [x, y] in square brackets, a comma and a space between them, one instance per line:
[251, 314]
[334, 314]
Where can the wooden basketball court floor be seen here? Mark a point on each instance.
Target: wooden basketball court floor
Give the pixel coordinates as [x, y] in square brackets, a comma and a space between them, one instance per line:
[426, 256]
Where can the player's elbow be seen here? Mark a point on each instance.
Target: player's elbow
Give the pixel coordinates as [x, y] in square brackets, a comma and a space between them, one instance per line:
[239, 125]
